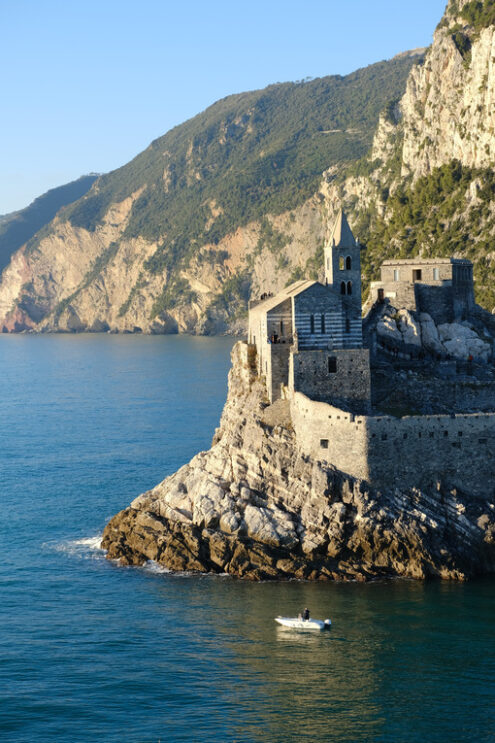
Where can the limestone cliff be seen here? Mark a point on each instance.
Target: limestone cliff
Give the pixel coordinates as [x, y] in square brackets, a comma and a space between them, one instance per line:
[77, 280]
[255, 507]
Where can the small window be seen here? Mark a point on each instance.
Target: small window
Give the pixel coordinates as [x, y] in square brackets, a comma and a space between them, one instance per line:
[396, 274]
[323, 323]
[328, 264]
[324, 443]
[349, 287]
[436, 274]
[342, 288]
[281, 327]
[332, 365]
[384, 437]
[445, 433]
[312, 324]
[341, 263]
[482, 441]
[348, 263]
[417, 274]
[347, 325]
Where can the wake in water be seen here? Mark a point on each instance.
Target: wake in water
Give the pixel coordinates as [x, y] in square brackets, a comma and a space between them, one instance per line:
[87, 548]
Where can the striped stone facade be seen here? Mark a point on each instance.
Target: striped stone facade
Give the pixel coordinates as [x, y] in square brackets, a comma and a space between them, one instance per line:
[310, 316]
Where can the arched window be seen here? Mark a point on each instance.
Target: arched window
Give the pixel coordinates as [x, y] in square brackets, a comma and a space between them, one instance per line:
[342, 288]
[348, 263]
[349, 287]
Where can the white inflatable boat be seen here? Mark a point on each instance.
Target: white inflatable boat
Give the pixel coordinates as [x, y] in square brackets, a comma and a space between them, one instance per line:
[304, 624]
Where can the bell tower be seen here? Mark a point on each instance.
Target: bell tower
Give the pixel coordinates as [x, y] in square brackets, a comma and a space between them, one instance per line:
[343, 262]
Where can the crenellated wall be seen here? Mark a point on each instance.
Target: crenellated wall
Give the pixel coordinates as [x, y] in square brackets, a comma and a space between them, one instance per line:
[388, 452]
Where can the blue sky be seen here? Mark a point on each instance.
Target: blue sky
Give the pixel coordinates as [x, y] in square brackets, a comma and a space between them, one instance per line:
[85, 86]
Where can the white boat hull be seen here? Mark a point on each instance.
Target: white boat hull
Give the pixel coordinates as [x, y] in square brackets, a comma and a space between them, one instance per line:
[304, 624]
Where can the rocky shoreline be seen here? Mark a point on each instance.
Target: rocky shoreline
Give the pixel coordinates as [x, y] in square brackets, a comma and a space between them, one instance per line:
[256, 508]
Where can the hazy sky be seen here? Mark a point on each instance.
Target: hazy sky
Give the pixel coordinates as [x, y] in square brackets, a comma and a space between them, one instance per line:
[88, 84]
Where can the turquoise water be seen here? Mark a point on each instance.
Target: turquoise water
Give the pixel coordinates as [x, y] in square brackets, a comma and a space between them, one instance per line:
[93, 652]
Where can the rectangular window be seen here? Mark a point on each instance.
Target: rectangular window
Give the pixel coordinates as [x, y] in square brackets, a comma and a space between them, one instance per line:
[312, 324]
[396, 274]
[324, 443]
[332, 365]
[416, 274]
[281, 327]
[436, 274]
[328, 264]
[323, 323]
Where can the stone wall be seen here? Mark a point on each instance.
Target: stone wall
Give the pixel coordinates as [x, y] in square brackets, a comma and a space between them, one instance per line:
[277, 369]
[410, 452]
[421, 450]
[427, 395]
[339, 377]
[328, 434]
[342, 319]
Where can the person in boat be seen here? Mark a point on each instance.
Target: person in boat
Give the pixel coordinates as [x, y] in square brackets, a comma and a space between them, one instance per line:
[305, 615]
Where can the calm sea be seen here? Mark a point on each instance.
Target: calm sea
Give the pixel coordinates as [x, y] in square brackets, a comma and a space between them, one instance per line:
[93, 652]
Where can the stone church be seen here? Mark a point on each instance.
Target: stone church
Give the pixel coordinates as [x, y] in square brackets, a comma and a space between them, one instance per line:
[308, 337]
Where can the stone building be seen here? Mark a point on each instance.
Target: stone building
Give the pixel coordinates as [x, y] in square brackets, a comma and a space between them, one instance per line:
[308, 337]
[308, 345]
[442, 287]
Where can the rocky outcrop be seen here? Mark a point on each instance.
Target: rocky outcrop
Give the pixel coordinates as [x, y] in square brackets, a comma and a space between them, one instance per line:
[255, 507]
[417, 333]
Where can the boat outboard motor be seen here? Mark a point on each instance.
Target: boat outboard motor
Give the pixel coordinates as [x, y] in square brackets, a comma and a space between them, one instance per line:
[327, 623]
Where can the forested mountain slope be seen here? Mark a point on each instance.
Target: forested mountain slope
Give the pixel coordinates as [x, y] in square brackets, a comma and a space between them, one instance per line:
[225, 203]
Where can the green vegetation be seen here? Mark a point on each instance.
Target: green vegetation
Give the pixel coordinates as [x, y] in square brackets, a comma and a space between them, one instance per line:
[21, 226]
[270, 238]
[234, 297]
[255, 153]
[176, 292]
[463, 45]
[479, 14]
[433, 218]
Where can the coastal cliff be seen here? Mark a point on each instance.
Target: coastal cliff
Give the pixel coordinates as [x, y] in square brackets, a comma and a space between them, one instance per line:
[254, 506]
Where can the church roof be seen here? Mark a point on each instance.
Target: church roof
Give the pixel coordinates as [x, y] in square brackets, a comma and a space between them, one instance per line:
[290, 291]
[342, 236]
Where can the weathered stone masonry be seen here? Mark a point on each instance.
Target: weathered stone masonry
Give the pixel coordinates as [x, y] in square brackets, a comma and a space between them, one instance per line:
[414, 451]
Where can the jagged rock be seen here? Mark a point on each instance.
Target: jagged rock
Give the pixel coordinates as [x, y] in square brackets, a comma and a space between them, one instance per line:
[387, 328]
[429, 334]
[409, 328]
[461, 341]
[254, 507]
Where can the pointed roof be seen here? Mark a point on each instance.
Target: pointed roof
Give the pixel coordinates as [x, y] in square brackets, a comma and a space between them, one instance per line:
[342, 236]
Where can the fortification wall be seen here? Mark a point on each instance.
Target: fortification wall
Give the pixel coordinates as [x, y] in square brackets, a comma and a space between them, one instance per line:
[441, 396]
[416, 451]
[329, 434]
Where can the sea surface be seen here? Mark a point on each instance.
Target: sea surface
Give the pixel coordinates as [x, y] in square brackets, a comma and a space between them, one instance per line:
[93, 652]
